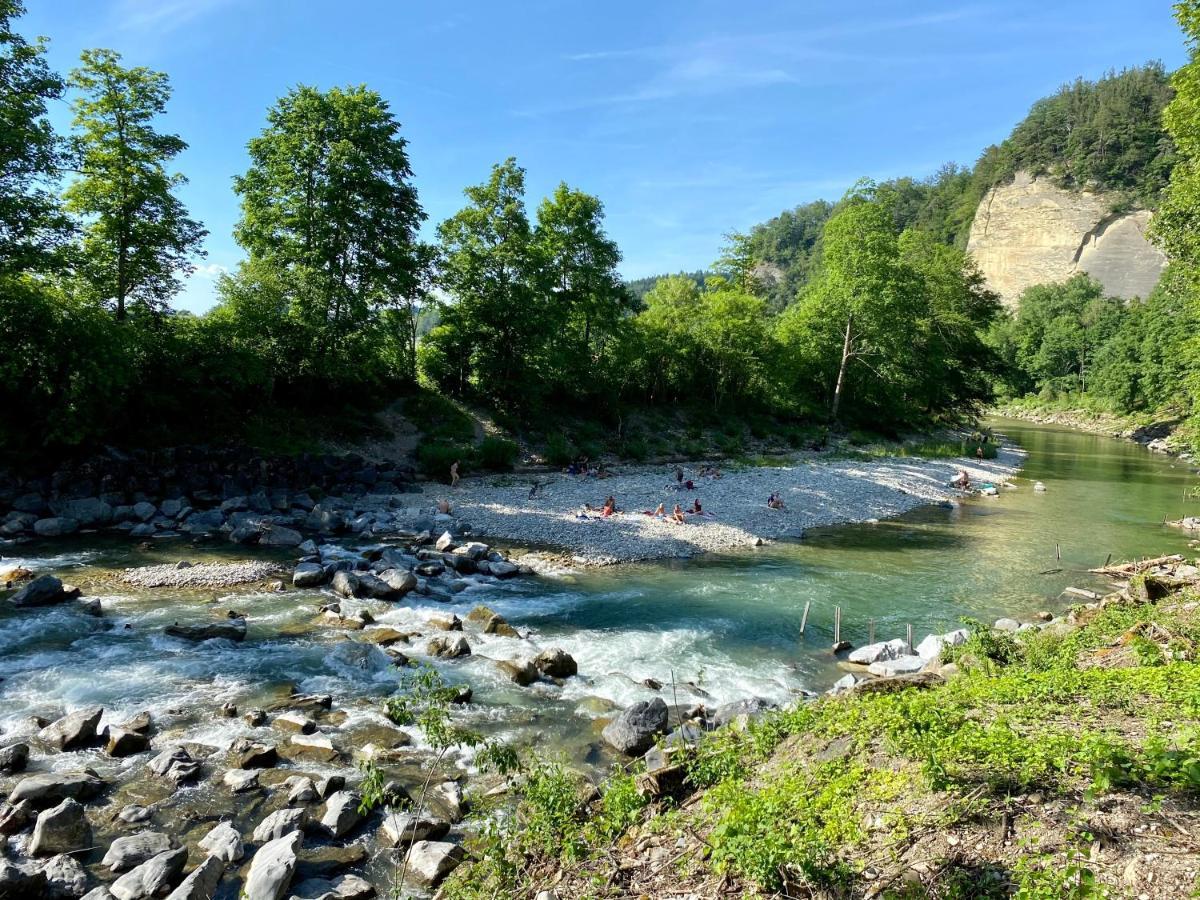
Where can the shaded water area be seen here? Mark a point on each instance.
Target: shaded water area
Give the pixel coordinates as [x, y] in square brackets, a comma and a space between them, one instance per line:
[712, 630]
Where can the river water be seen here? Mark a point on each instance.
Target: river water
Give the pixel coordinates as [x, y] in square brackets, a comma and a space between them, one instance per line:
[711, 630]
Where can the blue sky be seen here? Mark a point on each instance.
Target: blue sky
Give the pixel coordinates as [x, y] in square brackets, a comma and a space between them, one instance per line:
[689, 119]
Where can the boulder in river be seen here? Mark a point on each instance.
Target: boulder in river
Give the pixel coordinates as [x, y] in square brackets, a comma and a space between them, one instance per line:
[19, 882]
[450, 799]
[399, 829]
[881, 650]
[202, 883]
[518, 671]
[55, 526]
[15, 818]
[73, 731]
[491, 622]
[295, 723]
[126, 853]
[63, 829]
[279, 823]
[175, 764]
[13, 758]
[254, 755]
[241, 780]
[556, 663]
[224, 841]
[120, 742]
[308, 574]
[233, 629]
[634, 730]
[448, 647]
[153, 878]
[429, 862]
[400, 581]
[901, 665]
[316, 747]
[279, 536]
[51, 787]
[272, 868]
[42, 591]
[66, 879]
[341, 813]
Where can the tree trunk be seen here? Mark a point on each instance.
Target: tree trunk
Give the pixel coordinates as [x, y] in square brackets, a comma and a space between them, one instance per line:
[841, 379]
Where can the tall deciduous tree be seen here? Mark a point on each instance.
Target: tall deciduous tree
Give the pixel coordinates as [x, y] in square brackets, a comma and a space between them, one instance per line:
[31, 225]
[328, 202]
[137, 239]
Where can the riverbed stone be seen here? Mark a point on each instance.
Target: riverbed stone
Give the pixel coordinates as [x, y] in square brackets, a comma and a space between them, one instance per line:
[153, 878]
[62, 829]
[233, 629]
[42, 591]
[15, 817]
[13, 758]
[329, 785]
[202, 883]
[120, 743]
[66, 879]
[175, 764]
[73, 731]
[99, 893]
[399, 829]
[255, 755]
[881, 650]
[20, 882]
[400, 581]
[55, 526]
[345, 584]
[52, 787]
[634, 730]
[1007, 624]
[519, 671]
[308, 574]
[126, 853]
[931, 647]
[280, 536]
[224, 841]
[279, 823]
[429, 862]
[901, 665]
[272, 868]
[448, 647]
[300, 789]
[504, 569]
[294, 723]
[316, 747]
[450, 797]
[556, 663]
[132, 814]
[342, 887]
[341, 813]
[241, 780]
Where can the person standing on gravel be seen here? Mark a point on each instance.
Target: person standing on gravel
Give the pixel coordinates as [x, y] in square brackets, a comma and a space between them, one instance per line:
[454, 474]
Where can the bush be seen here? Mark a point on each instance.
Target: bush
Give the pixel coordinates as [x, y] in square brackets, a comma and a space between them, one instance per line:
[438, 418]
[498, 454]
[434, 458]
[635, 448]
[559, 451]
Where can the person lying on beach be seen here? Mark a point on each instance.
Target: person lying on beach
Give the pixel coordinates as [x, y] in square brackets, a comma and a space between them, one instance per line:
[677, 515]
[659, 513]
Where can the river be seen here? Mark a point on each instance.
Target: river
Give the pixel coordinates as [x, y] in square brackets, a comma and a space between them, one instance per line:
[710, 630]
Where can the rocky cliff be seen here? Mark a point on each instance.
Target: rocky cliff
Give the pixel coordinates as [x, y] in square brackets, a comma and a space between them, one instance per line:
[1032, 232]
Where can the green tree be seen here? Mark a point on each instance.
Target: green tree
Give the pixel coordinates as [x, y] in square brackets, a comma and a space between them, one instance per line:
[739, 264]
[31, 224]
[328, 203]
[491, 271]
[137, 237]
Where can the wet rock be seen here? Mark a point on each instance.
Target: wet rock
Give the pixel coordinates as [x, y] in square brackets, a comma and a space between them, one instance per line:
[430, 569]
[375, 588]
[329, 860]
[449, 796]
[845, 683]
[87, 511]
[329, 785]
[241, 780]
[202, 883]
[341, 813]
[901, 665]
[65, 878]
[14, 817]
[300, 789]
[343, 887]
[345, 584]
[120, 743]
[315, 747]
[254, 717]
[556, 663]
[519, 671]
[399, 829]
[176, 765]
[931, 648]
[129, 852]
[448, 648]
[272, 868]
[17, 883]
[279, 823]
[231, 629]
[1007, 624]
[100, 893]
[134, 815]
[42, 591]
[255, 756]
[444, 543]
[898, 683]
[246, 534]
[152, 878]
[881, 650]
[53, 787]
[504, 570]
[491, 622]
[63, 829]
[279, 536]
[73, 731]
[55, 526]
[13, 758]
[294, 723]
[442, 623]
[308, 574]
[224, 842]
[429, 862]
[739, 712]
[401, 582]
[634, 730]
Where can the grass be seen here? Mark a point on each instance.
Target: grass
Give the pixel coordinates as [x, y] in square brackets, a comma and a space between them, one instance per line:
[814, 798]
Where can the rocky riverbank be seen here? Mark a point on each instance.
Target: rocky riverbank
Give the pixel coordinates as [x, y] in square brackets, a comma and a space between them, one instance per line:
[552, 510]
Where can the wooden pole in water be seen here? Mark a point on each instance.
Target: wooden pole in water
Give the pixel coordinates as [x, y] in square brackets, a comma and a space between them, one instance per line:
[837, 625]
[804, 618]
[870, 631]
[1057, 551]
[1107, 560]
[908, 637]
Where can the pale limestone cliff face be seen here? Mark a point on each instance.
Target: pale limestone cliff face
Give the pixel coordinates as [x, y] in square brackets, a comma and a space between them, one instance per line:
[1032, 232]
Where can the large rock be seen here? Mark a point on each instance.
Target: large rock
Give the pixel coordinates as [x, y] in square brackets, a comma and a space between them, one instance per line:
[66, 879]
[279, 536]
[877, 652]
[341, 813]
[255, 755]
[279, 823]
[345, 584]
[50, 788]
[272, 868]
[21, 883]
[42, 591]
[126, 853]
[153, 878]
[556, 663]
[87, 511]
[901, 665]
[448, 647]
[231, 629]
[343, 887]
[1030, 231]
[63, 829]
[120, 743]
[450, 798]
[429, 862]
[175, 764]
[400, 581]
[491, 622]
[202, 883]
[73, 731]
[399, 829]
[308, 574]
[931, 648]
[634, 730]
[13, 758]
[315, 747]
[55, 526]
[519, 671]
[224, 841]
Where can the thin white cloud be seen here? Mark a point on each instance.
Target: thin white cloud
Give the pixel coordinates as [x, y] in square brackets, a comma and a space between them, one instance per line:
[210, 271]
[162, 16]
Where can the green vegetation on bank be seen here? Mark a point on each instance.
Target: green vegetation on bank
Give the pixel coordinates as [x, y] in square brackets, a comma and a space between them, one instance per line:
[998, 780]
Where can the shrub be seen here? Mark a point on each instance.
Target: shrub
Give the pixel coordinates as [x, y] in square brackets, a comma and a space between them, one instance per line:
[635, 448]
[438, 418]
[559, 451]
[435, 457]
[498, 454]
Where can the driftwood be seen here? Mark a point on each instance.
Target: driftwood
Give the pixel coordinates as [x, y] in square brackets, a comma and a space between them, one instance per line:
[1128, 570]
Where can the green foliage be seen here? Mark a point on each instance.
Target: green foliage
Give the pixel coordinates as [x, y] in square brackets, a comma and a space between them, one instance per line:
[559, 451]
[435, 457]
[497, 454]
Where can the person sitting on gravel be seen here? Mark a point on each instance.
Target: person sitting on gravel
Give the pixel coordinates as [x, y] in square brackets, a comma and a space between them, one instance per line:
[775, 501]
[678, 475]
[677, 515]
[696, 509]
[659, 513]
[610, 507]
[443, 506]
[962, 480]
